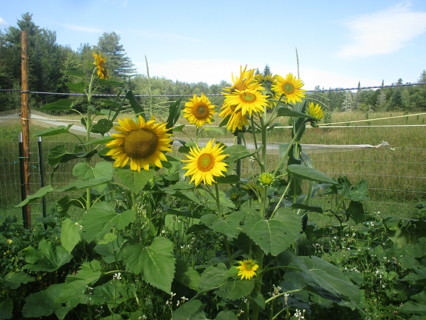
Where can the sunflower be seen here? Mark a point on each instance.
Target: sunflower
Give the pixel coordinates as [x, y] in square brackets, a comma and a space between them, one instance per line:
[247, 269]
[315, 110]
[236, 119]
[247, 101]
[100, 66]
[199, 110]
[141, 143]
[290, 87]
[206, 163]
[245, 81]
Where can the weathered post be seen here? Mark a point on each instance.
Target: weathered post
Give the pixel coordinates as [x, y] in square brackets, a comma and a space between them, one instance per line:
[25, 119]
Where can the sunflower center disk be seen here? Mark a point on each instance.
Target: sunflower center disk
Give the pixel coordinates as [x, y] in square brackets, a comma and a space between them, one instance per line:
[201, 111]
[288, 88]
[249, 266]
[248, 97]
[205, 162]
[140, 143]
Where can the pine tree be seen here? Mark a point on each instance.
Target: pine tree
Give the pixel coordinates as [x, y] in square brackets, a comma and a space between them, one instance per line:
[119, 64]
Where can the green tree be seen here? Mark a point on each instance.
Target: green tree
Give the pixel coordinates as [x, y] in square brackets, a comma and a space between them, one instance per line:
[119, 64]
[44, 59]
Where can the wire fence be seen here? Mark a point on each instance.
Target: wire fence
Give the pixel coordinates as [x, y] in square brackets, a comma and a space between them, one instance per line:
[395, 183]
[396, 174]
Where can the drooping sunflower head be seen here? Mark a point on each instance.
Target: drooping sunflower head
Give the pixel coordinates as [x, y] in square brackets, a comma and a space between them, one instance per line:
[315, 110]
[247, 101]
[141, 144]
[247, 269]
[206, 163]
[199, 110]
[236, 120]
[245, 80]
[290, 87]
[99, 62]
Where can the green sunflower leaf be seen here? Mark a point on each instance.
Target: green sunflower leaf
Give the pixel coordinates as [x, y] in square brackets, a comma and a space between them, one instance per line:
[235, 289]
[6, 309]
[213, 277]
[309, 173]
[101, 218]
[156, 262]
[275, 235]
[190, 310]
[133, 180]
[53, 131]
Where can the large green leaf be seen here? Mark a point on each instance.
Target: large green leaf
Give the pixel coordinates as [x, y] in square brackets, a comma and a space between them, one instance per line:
[101, 218]
[275, 235]
[78, 185]
[60, 154]
[226, 315]
[191, 310]
[156, 262]
[70, 234]
[54, 131]
[102, 126]
[37, 195]
[102, 140]
[174, 113]
[13, 280]
[234, 289]
[213, 277]
[286, 112]
[61, 298]
[137, 108]
[76, 86]
[187, 275]
[309, 173]
[41, 303]
[229, 226]
[326, 279]
[133, 180]
[6, 308]
[46, 258]
[59, 105]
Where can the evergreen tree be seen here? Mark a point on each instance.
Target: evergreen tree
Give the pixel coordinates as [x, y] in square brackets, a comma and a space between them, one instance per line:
[119, 65]
[44, 59]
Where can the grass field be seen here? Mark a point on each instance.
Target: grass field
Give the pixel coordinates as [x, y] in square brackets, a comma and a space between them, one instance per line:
[396, 173]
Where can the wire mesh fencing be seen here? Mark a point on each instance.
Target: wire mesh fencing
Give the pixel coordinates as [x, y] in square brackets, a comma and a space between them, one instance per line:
[395, 173]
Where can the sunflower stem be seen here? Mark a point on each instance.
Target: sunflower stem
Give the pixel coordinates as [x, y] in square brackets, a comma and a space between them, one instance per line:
[256, 145]
[88, 128]
[290, 145]
[282, 196]
[216, 187]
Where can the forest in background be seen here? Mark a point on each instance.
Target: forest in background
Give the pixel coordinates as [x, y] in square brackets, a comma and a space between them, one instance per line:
[51, 68]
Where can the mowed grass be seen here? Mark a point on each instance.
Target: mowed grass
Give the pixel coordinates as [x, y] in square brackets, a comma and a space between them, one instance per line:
[395, 173]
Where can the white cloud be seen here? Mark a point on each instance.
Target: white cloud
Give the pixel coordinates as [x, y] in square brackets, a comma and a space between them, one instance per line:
[81, 28]
[3, 22]
[383, 32]
[211, 71]
[330, 80]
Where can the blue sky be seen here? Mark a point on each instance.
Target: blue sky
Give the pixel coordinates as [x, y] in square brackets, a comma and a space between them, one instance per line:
[340, 43]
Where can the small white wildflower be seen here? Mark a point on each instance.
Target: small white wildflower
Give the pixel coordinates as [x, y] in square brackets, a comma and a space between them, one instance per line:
[117, 276]
[286, 295]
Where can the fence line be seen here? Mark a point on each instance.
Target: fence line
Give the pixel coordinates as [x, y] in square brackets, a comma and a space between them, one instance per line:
[208, 94]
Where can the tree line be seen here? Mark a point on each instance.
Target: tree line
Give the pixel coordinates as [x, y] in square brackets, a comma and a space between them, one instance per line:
[51, 68]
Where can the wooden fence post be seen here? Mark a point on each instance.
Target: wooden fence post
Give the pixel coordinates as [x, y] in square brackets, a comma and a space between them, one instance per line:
[25, 118]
